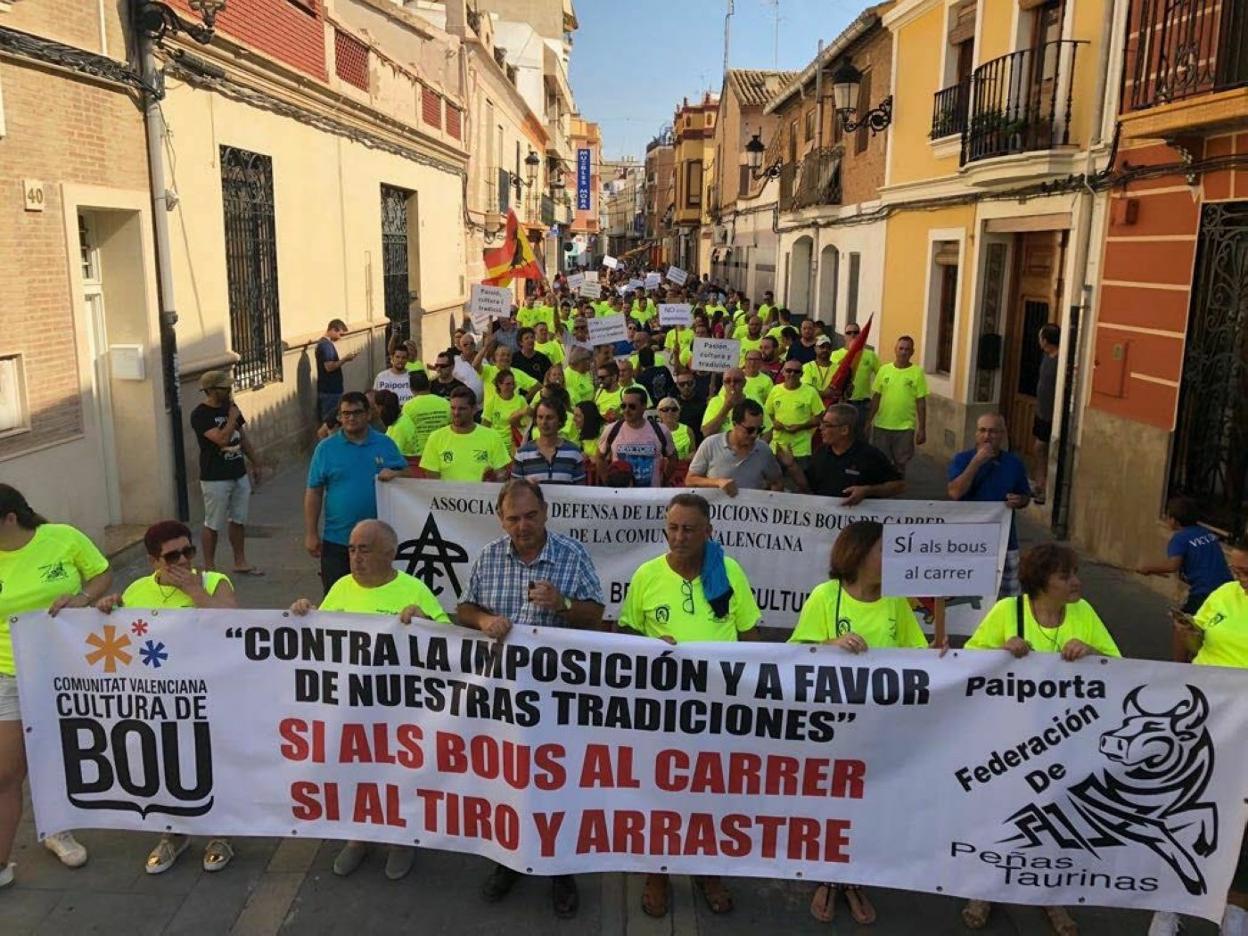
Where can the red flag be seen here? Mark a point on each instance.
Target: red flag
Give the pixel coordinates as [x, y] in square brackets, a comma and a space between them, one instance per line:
[513, 260]
[844, 374]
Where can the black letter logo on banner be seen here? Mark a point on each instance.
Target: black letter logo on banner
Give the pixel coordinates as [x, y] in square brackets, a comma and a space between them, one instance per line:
[430, 557]
[1161, 760]
[112, 780]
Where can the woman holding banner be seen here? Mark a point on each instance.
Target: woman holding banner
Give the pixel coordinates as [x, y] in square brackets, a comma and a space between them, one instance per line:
[1049, 617]
[175, 583]
[850, 611]
[42, 565]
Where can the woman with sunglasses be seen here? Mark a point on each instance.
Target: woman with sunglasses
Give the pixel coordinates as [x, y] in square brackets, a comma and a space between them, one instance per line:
[42, 566]
[175, 583]
[850, 611]
[682, 437]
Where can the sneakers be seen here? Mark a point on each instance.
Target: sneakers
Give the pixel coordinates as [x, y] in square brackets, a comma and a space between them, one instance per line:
[67, 848]
[166, 853]
[217, 855]
[350, 858]
[399, 861]
[6, 875]
[1164, 923]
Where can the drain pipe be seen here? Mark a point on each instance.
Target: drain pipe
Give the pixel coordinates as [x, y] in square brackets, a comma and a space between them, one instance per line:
[1077, 325]
[154, 123]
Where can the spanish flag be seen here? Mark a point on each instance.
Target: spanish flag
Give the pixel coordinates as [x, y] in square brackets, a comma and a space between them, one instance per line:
[843, 376]
[513, 260]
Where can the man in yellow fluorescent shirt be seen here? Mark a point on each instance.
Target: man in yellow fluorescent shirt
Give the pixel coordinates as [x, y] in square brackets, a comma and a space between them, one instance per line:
[794, 409]
[693, 593]
[374, 586]
[899, 406]
[865, 369]
[464, 450]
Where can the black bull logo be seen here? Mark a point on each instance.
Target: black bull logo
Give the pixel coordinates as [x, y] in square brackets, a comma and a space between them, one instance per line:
[1161, 762]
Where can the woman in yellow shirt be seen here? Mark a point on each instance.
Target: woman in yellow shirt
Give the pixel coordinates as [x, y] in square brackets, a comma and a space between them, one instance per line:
[850, 611]
[42, 565]
[506, 411]
[1049, 617]
[588, 422]
[669, 415]
[175, 583]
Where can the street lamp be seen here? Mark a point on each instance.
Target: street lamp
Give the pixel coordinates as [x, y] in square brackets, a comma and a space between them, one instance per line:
[754, 151]
[155, 20]
[531, 162]
[846, 82]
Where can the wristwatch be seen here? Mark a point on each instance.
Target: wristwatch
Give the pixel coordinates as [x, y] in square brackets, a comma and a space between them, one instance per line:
[567, 605]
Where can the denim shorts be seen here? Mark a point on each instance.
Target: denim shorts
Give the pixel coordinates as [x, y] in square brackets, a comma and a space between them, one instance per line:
[10, 707]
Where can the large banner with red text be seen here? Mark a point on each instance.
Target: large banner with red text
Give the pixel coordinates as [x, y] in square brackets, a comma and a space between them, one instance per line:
[1109, 782]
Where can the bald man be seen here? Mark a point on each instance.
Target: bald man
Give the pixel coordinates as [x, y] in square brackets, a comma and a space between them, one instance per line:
[376, 587]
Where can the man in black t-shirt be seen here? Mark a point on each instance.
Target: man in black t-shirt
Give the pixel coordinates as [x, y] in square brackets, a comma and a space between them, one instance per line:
[224, 452]
[527, 358]
[445, 381]
[844, 465]
[329, 368]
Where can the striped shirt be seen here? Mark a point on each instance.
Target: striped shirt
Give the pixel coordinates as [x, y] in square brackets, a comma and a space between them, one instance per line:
[566, 467]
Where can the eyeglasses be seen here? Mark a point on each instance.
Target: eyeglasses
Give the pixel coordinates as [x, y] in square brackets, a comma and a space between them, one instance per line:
[669, 409]
[631, 406]
[186, 552]
[343, 414]
[686, 590]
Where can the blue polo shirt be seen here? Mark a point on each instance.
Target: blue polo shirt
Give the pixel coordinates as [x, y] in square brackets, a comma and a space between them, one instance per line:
[1005, 474]
[1204, 566]
[346, 470]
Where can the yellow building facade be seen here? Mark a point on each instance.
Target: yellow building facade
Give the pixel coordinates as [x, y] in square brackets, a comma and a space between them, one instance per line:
[1001, 110]
[694, 134]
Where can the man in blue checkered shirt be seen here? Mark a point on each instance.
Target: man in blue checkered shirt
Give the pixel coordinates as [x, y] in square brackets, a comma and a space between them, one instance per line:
[530, 577]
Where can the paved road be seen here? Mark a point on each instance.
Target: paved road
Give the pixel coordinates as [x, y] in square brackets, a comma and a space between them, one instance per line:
[286, 886]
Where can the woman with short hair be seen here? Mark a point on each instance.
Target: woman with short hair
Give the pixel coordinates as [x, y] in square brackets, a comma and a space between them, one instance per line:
[1050, 616]
[851, 611]
[42, 565]
[176, 583]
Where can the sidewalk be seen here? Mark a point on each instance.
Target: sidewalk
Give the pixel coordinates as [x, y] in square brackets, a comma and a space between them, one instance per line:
[286, 885]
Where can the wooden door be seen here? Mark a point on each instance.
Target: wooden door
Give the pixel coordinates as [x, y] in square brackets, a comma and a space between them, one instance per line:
[1033, 303]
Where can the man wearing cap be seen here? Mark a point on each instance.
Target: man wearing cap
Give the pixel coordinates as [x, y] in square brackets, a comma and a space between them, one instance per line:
[818, 373]
[224, 451]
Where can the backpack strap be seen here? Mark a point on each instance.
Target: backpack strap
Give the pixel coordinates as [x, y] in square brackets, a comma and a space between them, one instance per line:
[613, 434]
[1018, 616]
[664, 446]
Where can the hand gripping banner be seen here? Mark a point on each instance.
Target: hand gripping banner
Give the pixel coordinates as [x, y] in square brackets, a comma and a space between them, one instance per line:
[1107, 782]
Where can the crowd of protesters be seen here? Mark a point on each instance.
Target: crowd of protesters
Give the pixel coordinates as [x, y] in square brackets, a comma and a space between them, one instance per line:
[531, 402]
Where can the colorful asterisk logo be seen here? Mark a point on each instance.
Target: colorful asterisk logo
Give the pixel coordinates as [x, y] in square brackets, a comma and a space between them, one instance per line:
[111, 647]
[153, 654]
[139, 627]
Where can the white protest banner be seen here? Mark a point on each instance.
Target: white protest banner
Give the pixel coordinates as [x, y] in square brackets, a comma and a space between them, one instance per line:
[1103, 782]
[781, 540]
[489, 302]
[675, 313]
[591, 289]
[934, 561]
[715, 355]
[610, 262]
[575, 280]
[608, 329]
[676, 275]
[653, 280]
[635, 284]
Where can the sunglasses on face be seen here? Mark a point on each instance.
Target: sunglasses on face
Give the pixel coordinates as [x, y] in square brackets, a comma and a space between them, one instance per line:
[630, 406]
[186, 552]
[669, 409]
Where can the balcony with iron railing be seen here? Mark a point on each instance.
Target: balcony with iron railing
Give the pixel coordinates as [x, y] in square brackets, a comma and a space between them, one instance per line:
[949, 110]
[1021, 102]
[1178, 49]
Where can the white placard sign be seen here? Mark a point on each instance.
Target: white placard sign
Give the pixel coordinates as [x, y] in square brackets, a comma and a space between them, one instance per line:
[677, 275]
[489, 302]
[675, 313]
[591, 289]
[610, 262]
[940, 560]
[653, 280]
[715, 355]
[575, 281]
[635, 284]
[1099, 782]
[608, 329]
